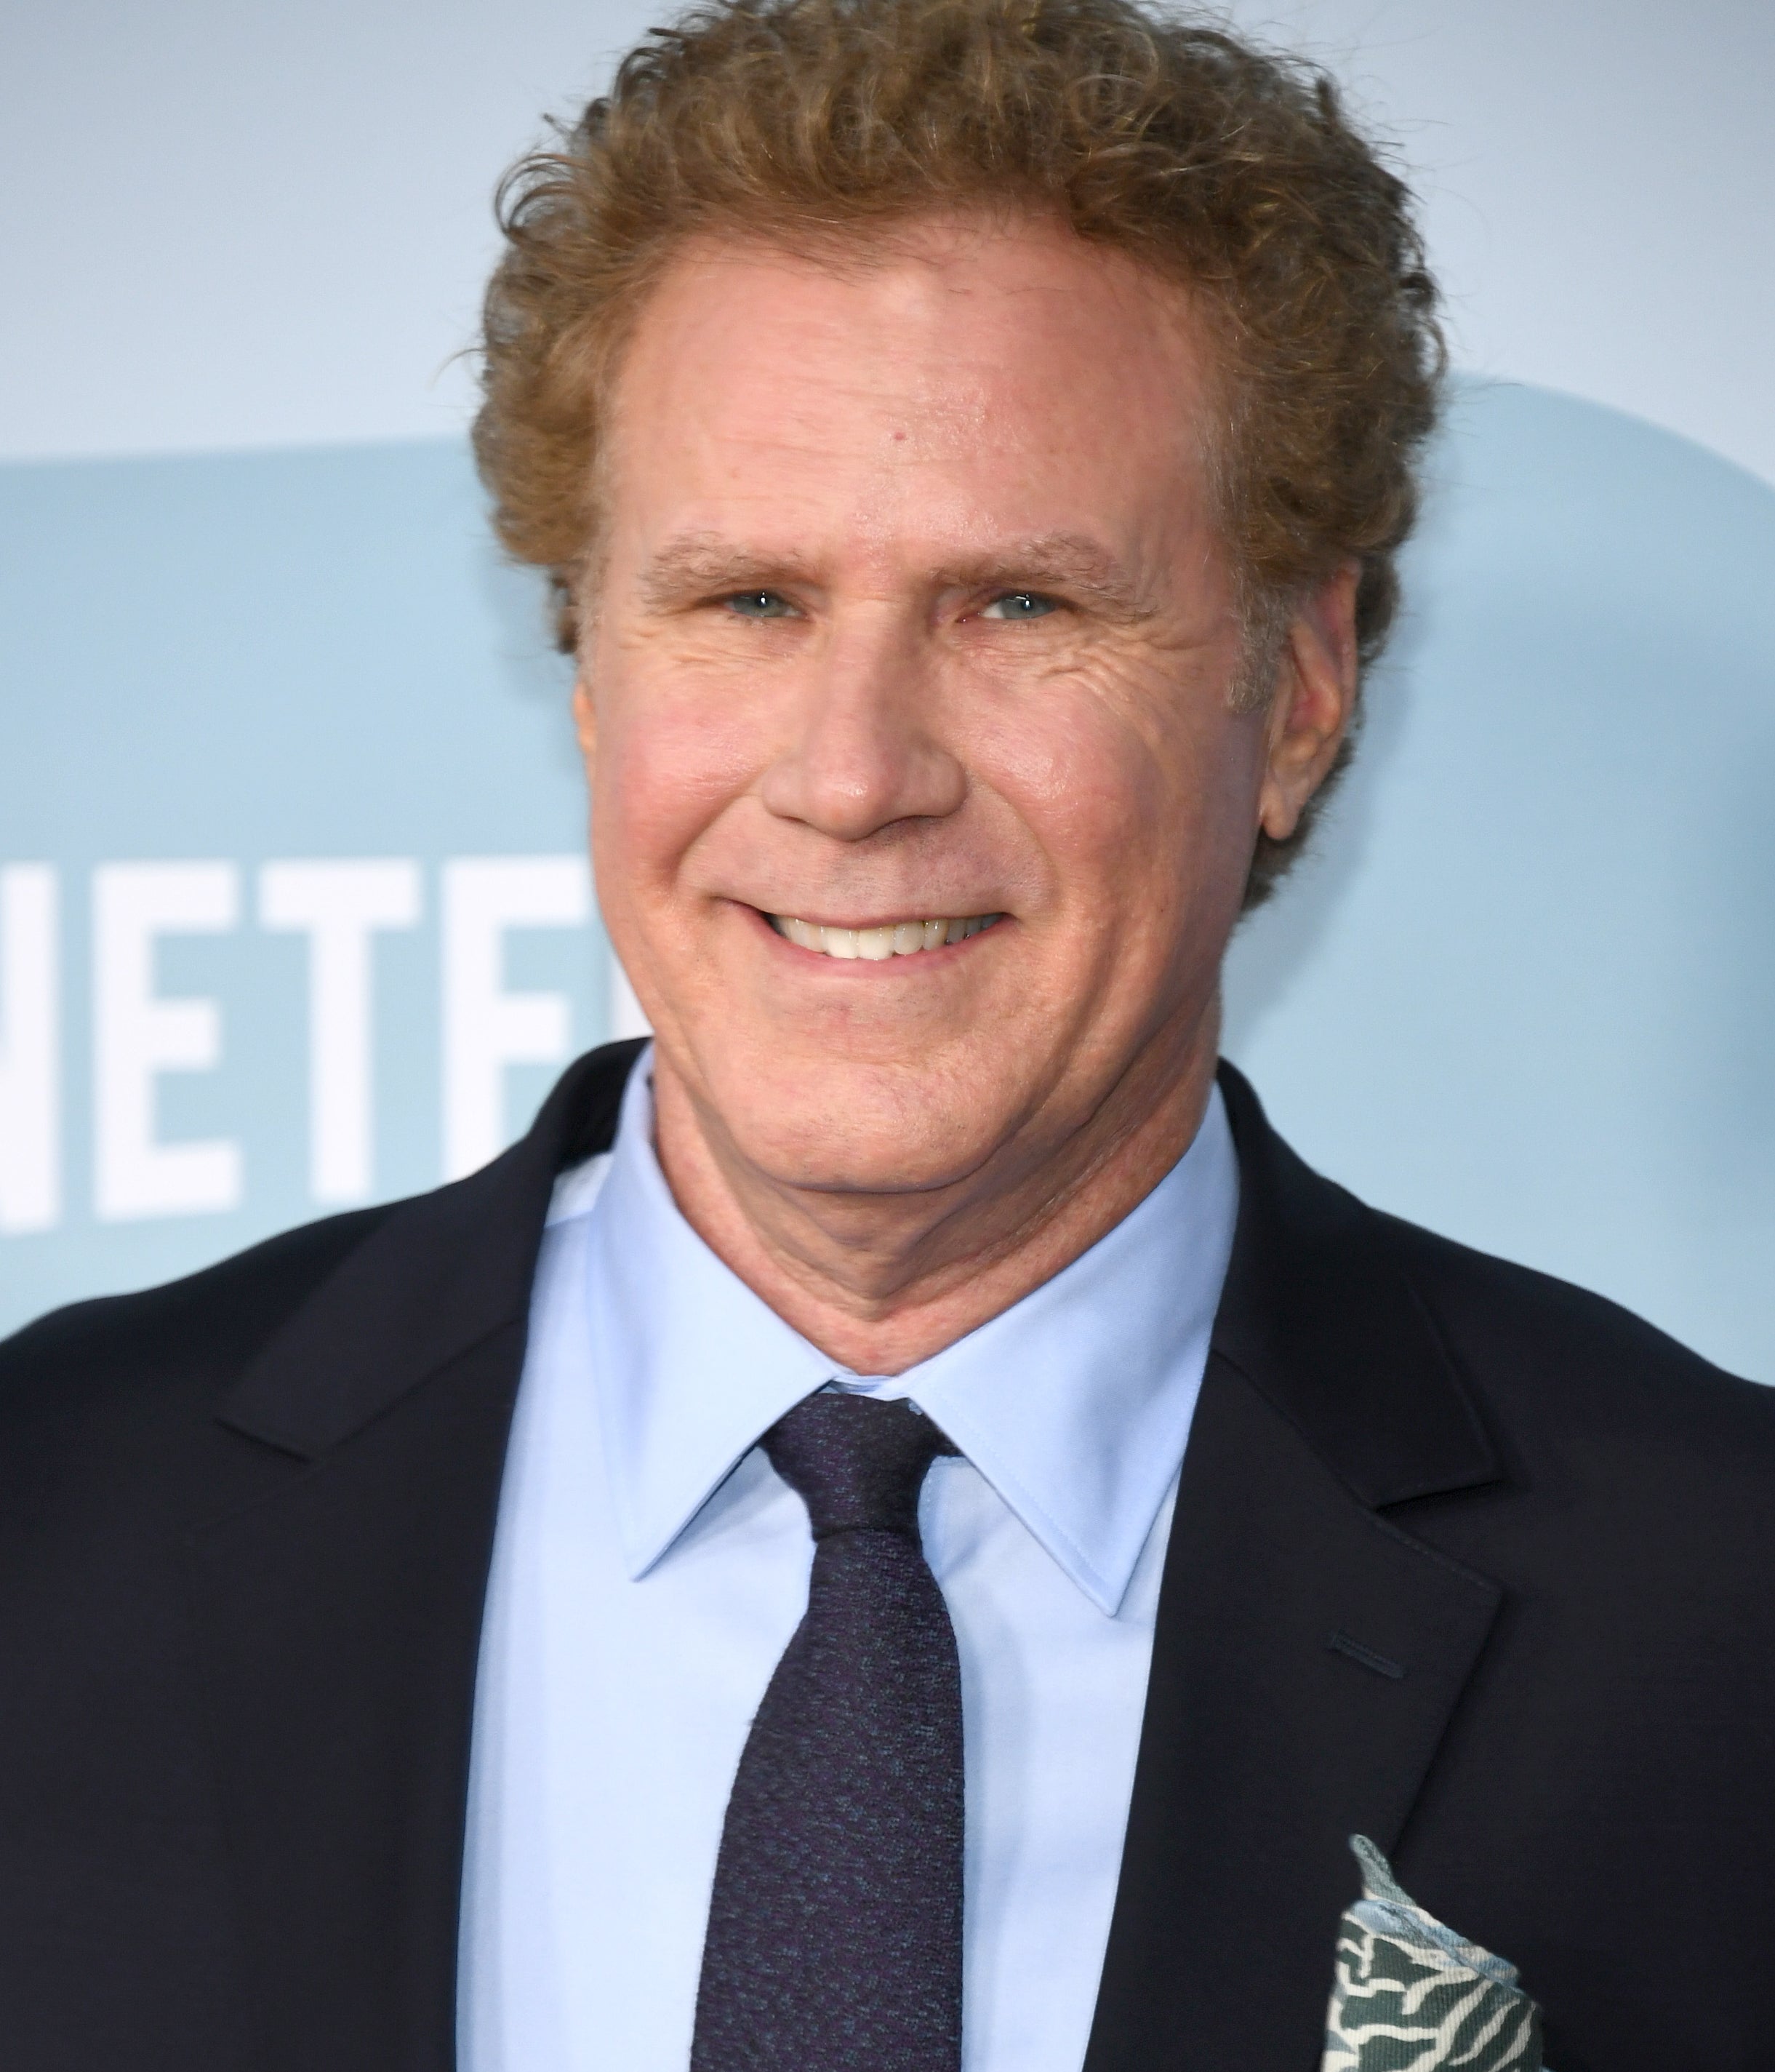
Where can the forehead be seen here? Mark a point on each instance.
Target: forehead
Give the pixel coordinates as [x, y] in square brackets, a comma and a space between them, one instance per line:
[970, 371]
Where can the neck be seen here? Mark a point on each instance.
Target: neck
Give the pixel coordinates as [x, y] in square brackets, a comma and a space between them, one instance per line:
[880, 1281]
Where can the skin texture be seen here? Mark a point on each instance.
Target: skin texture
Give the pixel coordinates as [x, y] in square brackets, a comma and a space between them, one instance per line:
[909, 603]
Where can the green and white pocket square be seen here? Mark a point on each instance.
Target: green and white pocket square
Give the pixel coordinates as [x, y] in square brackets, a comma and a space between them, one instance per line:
[1411, 1996]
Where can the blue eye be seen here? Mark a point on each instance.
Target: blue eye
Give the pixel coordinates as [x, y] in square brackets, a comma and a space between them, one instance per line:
[1016, 604]
[759, 604]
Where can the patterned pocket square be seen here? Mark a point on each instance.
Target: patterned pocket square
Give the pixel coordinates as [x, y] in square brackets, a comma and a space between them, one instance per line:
[1411, 1996]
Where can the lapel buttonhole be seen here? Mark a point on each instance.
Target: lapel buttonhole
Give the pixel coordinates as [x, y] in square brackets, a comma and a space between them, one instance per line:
[1383, 1665]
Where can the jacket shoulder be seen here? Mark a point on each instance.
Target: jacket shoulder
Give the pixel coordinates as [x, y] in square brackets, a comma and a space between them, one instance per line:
[128, 1364]
[1548, 1354]
[199, 1329]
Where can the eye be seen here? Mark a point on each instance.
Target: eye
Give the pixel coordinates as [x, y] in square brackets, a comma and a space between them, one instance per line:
[759, 604]
[1016, 604]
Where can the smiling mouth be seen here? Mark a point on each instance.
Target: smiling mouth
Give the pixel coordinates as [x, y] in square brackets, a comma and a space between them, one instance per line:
[895, 938]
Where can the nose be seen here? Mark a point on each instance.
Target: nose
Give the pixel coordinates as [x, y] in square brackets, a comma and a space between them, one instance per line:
[862, 755]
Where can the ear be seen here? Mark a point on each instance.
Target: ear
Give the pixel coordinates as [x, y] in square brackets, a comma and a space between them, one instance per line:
[585, 721]
[1314, 700]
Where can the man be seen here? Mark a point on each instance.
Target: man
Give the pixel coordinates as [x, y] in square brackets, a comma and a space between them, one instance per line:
[900, 1527]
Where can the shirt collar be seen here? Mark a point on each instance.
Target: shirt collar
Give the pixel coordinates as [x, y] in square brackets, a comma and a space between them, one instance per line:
[1074, 1403]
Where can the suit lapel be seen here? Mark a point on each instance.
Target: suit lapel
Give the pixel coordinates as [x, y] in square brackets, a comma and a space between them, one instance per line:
[340, 1608]
[1307, 1653]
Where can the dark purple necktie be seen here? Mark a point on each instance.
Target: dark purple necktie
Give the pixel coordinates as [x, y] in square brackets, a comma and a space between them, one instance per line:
[834, 1940]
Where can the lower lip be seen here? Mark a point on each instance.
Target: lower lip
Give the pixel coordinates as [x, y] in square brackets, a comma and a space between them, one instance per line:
[875, 967]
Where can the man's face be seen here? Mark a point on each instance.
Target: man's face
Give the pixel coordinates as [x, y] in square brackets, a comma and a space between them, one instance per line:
[922, 812]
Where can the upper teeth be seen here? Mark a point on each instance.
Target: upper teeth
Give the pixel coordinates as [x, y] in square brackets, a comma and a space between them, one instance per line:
[899, 938]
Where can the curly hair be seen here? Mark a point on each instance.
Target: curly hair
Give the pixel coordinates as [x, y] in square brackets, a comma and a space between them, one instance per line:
[1230, 169]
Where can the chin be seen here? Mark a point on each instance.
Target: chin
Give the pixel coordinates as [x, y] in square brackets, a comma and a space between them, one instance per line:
[832, 1123]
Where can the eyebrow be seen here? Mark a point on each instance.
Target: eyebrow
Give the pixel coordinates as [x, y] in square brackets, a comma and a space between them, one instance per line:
[700, 565]
[1070, 562]
[703, 564]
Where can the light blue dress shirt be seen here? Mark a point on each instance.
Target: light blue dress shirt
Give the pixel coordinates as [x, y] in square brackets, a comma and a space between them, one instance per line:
[650, 1567]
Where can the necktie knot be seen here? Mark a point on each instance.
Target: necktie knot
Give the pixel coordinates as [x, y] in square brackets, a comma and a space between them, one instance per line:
[857, 1464]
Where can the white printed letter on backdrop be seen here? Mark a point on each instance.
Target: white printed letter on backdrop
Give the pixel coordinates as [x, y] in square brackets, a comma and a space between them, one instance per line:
[339, 905]
[138, 1036]
[486, 1028]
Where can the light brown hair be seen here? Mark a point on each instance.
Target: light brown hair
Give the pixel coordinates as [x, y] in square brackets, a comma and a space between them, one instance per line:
[1230, 169]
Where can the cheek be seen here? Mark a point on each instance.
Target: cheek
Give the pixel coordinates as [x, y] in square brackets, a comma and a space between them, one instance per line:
[672, 757]
[1139, 792]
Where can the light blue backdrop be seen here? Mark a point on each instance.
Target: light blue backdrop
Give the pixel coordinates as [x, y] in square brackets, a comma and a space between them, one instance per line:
[1524, 992]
